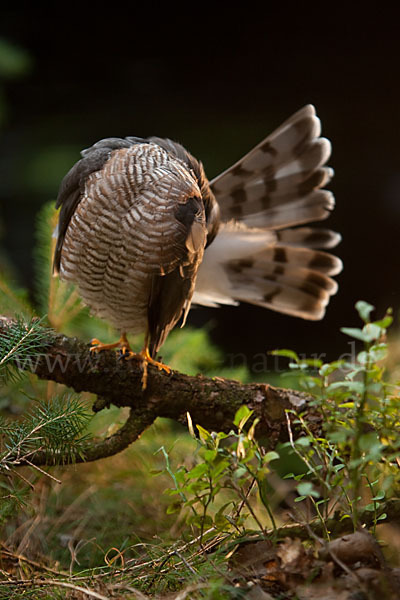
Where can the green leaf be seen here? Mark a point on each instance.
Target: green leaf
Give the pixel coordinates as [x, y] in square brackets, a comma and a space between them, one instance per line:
[303, 441]
[364, 310]
[286, 353]
[372, 332]
[382, 517]
[210, 455]
[270, 456]
[219, 468]
[315, 363]
[239, 472]
[378, 352]
[242, 416]
[338, 468]
[204, 434]
[386, 321]
[354, 332]
[352, 386]
[329, 368]
[198, 471]
[371, 445]
[363, 357]
[379, 496]
[174, 507]
[306, 488]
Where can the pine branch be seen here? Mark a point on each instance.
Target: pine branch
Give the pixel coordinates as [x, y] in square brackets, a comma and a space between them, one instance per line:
[52, 428]
[22, 342]
[212, 403]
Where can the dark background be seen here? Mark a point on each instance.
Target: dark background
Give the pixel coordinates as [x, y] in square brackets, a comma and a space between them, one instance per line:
[217, 84]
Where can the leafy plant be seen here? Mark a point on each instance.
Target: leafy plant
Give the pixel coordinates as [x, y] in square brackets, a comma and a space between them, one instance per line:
[231, 468]
[353, 467]
[348, 471]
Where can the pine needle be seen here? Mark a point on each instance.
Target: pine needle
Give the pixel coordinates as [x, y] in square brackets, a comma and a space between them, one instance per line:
[55, 428]
[20, 343]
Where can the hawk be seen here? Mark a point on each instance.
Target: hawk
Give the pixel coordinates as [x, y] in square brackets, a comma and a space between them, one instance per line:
[143, 233]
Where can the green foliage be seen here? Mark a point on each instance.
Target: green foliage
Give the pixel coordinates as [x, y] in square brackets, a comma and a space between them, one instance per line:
[53, 427]
[223, 484]
[217, 491]
[24, 342]
[353, 467]
[13, 496]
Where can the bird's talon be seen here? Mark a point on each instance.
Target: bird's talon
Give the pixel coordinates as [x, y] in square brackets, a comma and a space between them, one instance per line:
[95, 345]
[122, 345]
[125, 352]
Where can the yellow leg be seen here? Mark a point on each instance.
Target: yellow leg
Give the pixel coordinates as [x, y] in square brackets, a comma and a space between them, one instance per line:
[122, 344]
[146, 359]
[126, 351]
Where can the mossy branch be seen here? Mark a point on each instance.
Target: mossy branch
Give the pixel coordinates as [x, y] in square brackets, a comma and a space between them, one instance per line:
[212, 403]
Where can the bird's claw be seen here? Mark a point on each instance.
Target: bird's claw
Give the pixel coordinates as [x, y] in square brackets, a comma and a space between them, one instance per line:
[146, 359]
[122, 345]
[125, 353]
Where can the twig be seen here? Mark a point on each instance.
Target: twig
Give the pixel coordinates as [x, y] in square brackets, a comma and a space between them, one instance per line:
[41, 470]
[33, 563]
[53, 582]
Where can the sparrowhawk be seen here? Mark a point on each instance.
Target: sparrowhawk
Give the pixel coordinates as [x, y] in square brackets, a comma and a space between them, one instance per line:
[143, 233]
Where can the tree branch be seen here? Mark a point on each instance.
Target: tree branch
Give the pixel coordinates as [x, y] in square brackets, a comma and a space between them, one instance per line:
[211, 403]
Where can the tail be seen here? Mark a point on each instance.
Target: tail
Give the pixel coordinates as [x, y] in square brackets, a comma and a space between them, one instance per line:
[256, 257]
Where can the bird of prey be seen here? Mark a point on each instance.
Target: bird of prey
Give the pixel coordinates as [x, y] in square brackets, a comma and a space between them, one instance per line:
[143, 233]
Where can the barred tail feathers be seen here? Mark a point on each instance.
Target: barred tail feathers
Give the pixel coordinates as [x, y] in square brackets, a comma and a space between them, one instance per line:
[278, 183]
[276, 270]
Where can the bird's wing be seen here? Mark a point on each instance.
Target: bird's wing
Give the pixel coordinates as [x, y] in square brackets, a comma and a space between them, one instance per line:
[278, 183]
[73, 185]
